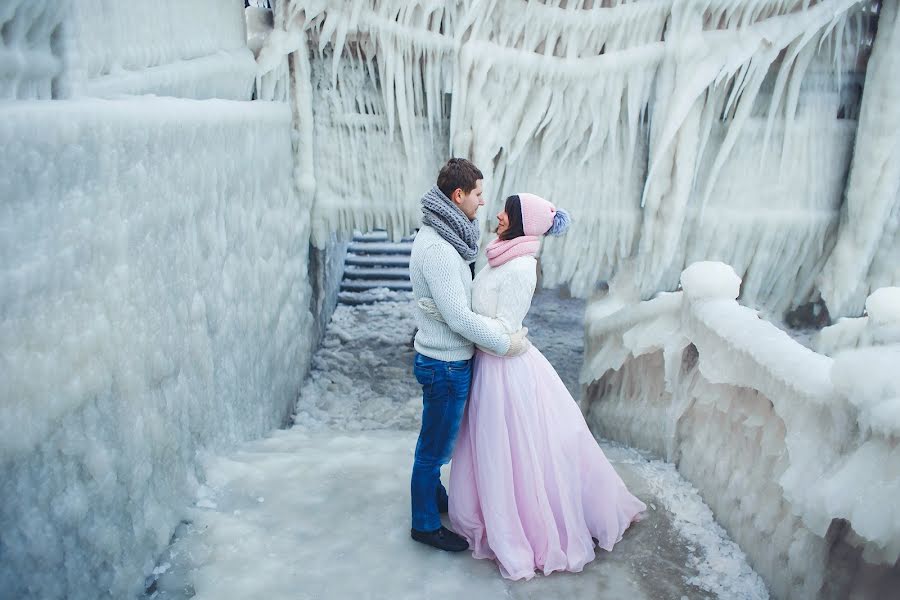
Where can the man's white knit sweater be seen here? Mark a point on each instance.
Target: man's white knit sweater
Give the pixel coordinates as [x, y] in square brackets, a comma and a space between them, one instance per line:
[438, 271]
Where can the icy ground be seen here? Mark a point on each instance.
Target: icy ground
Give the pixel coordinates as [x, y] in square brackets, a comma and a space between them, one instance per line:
[321, 510]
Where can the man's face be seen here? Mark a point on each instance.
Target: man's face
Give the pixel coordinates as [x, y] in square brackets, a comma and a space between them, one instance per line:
[471, 202]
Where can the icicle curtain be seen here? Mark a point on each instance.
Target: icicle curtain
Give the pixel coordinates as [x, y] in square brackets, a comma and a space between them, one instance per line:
[674, 130]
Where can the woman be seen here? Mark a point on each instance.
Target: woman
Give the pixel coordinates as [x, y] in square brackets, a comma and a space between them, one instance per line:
[529, 486]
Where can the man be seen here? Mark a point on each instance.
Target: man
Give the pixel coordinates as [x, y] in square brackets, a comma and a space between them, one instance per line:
[439, 269]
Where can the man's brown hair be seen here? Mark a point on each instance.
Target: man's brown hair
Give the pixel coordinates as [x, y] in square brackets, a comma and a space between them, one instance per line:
[458, 173]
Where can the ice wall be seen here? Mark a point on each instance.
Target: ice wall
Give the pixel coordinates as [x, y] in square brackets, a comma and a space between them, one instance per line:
[192, 49]
[779, 439]
[33, 45]
[154, 296]
[154, 293]
[868, 247]
[674, 130]
[361, 168]
[371, 112]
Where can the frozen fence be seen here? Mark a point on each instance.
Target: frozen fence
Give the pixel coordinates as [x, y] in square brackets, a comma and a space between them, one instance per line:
[795, 451]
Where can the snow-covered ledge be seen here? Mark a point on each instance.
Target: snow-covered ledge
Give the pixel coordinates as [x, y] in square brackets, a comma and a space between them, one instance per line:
[796, 452]
[881, 326]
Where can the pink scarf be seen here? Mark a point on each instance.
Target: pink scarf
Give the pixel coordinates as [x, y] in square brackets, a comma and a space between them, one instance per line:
[502, 251]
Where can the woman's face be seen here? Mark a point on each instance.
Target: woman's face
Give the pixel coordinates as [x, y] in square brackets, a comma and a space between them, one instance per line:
[502, 222]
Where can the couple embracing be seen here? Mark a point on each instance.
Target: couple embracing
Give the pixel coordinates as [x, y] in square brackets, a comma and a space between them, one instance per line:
[529, 486]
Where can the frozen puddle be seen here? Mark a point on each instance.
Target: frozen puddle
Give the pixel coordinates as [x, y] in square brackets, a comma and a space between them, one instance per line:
[322, 510]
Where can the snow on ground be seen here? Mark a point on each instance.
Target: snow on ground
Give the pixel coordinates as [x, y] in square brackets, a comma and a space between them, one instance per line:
[321, 510]
[361, 376]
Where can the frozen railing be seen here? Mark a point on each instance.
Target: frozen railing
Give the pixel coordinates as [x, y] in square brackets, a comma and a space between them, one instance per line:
[795, 451]
[879, 327]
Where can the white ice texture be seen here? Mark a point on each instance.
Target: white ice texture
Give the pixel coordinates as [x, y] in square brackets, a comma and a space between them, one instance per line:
[730, 138]
[153, 279]
[154, 296]
[784, 443]
[304, 512]
[710, 280]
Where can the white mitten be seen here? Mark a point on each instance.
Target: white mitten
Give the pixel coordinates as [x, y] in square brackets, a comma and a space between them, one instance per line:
[518, 343]
[430, 308]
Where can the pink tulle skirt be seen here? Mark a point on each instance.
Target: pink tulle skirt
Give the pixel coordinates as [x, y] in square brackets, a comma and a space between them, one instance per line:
[529, 486]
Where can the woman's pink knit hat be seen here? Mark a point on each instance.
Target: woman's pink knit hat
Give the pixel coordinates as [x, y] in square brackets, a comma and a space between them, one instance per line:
[537, 214]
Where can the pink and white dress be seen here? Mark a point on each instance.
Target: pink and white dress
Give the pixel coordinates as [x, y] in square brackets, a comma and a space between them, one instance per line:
[529, 486]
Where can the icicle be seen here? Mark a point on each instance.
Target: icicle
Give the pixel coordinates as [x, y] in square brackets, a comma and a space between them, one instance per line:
[868, 232]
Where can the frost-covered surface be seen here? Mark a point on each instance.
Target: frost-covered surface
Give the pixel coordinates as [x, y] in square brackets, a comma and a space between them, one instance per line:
[326, 269]
[767, 429]
[883, 306]
[192, 49]
[881, 325]
[366, 176]
[710, 280]
[361, 376]
[325, 515]
[728, 138]
[370, 296]
[845, 333]
[225, 74]
[720, 563]
[865, 257]
[868, 379]
[33, 46]
[153, 303]
[321, 512]
[57, 49]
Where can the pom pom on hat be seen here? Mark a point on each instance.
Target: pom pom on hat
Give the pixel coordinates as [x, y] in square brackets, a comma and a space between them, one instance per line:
[561, 221]
[540, 217]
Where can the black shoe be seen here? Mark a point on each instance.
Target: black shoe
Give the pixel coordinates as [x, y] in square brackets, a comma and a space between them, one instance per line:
[442, 539]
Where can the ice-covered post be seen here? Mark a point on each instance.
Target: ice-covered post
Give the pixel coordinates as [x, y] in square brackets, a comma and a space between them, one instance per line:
[866, 381]
[883, 308]
[709, 280]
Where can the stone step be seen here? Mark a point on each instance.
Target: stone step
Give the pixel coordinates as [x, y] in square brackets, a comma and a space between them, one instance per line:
[388, 260]
[374, 273]
[372, 236]
[370, 297]
[360, 285]
[378, 248]
[379, 236]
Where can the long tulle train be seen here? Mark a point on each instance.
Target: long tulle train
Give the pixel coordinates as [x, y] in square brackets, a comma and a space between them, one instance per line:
[529, 486]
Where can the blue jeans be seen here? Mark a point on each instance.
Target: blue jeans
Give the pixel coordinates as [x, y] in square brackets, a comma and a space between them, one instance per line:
[445, 389]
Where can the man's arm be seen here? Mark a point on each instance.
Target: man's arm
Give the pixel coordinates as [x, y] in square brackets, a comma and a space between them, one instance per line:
[450, 298]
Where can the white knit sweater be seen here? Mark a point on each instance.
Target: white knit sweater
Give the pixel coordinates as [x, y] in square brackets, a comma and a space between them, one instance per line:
[438, 271]
[504, 293]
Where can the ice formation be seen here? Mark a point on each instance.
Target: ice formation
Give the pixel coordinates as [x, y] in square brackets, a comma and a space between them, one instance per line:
[867, 254]
[721, 131]
[880, 327]
[795, 451]
[155, 296]
[31, 54]
[324, 504]
[153, 281]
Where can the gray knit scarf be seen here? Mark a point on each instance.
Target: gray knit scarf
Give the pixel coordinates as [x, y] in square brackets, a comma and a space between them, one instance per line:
[439, 212]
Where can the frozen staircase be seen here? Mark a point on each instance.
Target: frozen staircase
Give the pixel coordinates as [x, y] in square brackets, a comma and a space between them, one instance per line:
[374, 264]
